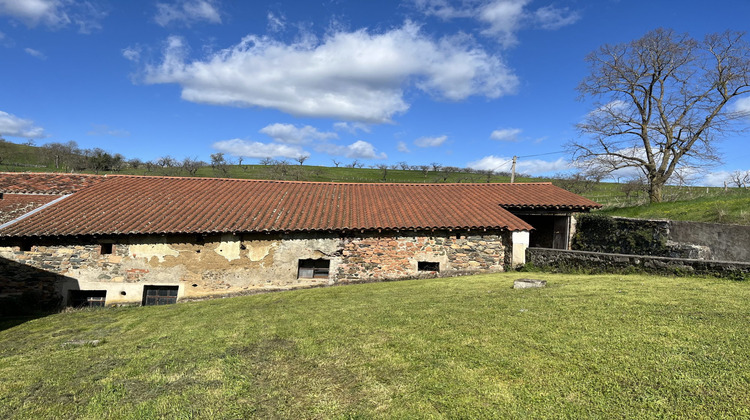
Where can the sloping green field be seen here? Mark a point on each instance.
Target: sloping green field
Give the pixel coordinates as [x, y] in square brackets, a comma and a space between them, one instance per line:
[719, 207]
[470, 347]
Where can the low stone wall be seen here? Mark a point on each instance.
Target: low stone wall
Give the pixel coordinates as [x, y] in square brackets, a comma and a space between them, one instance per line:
[725, 242]
[599, 262]
[664, 238]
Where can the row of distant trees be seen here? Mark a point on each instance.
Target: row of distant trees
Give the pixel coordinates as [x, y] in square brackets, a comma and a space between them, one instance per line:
[70, 157]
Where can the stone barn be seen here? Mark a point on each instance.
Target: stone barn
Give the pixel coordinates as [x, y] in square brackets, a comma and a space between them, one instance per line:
[109, 240]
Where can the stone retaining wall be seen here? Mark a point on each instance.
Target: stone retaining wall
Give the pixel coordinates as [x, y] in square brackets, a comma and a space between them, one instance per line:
[664, 238]
[598, 262]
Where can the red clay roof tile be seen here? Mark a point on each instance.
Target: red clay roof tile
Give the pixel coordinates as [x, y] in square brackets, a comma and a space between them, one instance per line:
[16, 205]
[157, 205]
[45, 183]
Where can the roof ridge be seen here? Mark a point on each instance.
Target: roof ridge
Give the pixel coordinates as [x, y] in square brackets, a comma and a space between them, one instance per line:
[286, 181]
[53, 173]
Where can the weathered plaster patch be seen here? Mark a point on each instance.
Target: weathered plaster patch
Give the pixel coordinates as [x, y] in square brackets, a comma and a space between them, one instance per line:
[258, 250]
[229, 247]
[151, 250]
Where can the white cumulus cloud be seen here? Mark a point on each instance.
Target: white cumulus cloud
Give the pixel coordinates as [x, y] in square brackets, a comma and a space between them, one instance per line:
[355, 76]
[524, 166]
[13, 126]
[430, 141]
[402, 147]
[506, 134]
[132, 54]
[291, 134]
[351, 127]
[187, 12]
[276, 22]
[54, 13]
[35, 53]
[742, 105]
[552, 18]
[501, 19]
[254, 149]
[358, 150]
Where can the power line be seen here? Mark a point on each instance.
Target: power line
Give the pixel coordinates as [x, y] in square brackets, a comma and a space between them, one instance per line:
[543, 154]
[527, 156]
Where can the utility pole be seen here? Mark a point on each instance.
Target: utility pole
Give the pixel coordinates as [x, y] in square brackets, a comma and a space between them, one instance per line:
[513, 170]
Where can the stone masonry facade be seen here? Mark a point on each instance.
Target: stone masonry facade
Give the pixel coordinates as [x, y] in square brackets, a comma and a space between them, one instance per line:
[221, 265]
[383, 258]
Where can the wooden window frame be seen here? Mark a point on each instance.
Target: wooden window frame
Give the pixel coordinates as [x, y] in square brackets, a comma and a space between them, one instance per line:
[154, 295]
[313, 269]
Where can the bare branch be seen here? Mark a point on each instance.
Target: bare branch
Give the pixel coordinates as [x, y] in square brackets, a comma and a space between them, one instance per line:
[662, 103]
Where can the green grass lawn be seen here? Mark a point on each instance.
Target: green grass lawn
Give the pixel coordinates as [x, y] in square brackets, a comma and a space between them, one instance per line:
[732, 206]
[586, 346]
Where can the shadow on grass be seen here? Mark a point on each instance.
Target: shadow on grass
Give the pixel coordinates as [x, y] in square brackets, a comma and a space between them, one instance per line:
[28, 293]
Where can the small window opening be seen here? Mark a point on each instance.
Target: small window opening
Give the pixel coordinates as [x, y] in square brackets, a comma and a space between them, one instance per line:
[106, 249]
[159, 295]
[428, 266]
[25, 247]
[86, 298]
[313, 269]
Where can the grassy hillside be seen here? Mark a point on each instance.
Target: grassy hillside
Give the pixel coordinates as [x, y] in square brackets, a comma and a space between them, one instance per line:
[719, 207]
[20, 156]
[586, 346]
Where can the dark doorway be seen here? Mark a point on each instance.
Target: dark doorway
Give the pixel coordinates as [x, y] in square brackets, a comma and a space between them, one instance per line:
[550, 231]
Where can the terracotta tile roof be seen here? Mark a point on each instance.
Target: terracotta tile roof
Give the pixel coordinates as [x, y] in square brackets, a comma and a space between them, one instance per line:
[156, 205]
[15, 205]
[45, 183]
[540, 195]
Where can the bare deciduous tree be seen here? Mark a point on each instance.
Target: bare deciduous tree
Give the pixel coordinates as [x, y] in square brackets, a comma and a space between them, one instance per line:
[354, 164]
[383, 167]
[167, 164]
[219, 163]
[447, 171]
[301, 159]
[425, 169]
[336, 163]
[579, 183]
[487, 174]
[62, 154]
[280, 169]
[191, 165]
[661, 103]
[266, 161]
[135, 163]
[632, 186]
[740, 179]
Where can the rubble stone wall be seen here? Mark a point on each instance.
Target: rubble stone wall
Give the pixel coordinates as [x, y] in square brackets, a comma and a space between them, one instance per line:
[220, 265]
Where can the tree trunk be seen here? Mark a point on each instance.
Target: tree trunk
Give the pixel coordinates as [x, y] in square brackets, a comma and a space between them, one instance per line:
[654, 192]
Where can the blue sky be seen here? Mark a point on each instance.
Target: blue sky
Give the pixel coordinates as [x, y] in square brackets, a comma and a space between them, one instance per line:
[462, 82]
